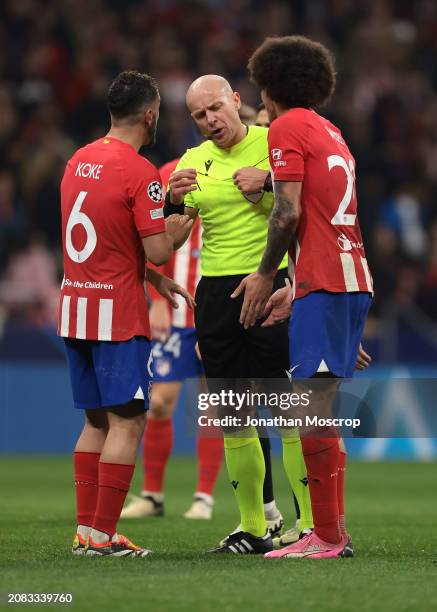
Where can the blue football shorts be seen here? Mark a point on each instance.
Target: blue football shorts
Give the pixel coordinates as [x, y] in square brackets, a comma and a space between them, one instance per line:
[176, 359]
[106, 374]
[325, 331]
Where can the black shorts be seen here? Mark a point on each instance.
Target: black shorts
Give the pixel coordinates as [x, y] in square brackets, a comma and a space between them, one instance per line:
[228, 350]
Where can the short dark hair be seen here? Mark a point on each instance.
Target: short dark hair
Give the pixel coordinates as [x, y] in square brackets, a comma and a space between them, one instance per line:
[295, 71]
[130, 92]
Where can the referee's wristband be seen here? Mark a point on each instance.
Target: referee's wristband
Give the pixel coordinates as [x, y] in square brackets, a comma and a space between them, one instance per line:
[268, 185]
[172, 209]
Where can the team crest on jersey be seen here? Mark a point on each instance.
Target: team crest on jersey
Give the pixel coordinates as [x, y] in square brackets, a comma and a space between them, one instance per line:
[154, 191]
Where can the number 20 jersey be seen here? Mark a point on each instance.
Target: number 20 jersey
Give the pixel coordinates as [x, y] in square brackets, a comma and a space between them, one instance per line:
[329, 252]
[111, 198]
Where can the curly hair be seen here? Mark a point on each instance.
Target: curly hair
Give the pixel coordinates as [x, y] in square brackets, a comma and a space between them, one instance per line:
[130, 92]
[295, 71]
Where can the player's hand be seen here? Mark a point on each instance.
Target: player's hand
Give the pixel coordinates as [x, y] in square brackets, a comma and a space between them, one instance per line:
[167, 287]
[197, 349]
[363, 359]
[180, 183]
[250, 180]
[278, 307]
[178, 227]
[256, 289]
[160, 320]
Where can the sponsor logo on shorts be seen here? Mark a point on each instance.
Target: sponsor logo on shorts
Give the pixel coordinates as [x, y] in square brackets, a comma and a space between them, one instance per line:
[291, 370]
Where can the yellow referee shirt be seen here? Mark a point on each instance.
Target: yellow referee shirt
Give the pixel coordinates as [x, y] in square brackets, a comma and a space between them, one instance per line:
[234, 227]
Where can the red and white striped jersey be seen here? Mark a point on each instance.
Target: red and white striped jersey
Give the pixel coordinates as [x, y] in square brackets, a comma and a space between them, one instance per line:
[111, 198]
[329, 252]
[183, 266]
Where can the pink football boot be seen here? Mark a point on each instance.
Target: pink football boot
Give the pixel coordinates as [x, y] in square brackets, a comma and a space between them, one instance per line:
[309, 547]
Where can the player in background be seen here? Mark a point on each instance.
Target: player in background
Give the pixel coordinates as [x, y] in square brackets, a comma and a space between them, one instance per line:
[235, 221]
[315, 219]
[262, 118]
[174, 360]
[112, 222]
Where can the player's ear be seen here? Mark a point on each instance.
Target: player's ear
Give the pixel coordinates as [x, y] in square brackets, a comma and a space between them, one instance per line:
[148, 117]
[237, 100]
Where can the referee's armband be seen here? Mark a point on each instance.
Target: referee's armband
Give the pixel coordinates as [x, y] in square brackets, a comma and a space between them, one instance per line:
[172, 209]
[268, 185]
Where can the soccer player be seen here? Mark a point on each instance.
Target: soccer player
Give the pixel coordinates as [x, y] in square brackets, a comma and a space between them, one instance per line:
[175, 359]
[315, 218]
[262, 118]
[235, 220]
[112, 221]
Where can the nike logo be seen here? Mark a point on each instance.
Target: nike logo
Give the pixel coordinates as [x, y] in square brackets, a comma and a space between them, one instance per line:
[290, 371]
[235, 484]
[304, 481]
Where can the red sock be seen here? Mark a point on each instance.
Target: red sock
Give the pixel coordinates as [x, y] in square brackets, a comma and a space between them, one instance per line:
[114, 483]
[210, 455]
[86, 477]
[158, 442]
[340, 492]
[321, 459]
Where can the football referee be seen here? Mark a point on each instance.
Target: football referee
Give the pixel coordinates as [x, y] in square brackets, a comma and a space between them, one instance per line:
[224, 181]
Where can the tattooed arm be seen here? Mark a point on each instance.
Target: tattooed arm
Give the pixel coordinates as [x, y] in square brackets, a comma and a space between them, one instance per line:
[282, 226]
[284, 219]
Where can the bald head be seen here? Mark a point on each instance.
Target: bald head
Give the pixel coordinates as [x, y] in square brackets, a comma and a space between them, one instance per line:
[208, 84]
[214, 107]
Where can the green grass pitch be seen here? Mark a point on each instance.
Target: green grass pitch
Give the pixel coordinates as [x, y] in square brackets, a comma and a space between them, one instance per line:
[392, 511]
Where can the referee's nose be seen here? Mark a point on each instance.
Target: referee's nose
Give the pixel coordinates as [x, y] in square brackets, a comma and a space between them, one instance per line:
[211, 118]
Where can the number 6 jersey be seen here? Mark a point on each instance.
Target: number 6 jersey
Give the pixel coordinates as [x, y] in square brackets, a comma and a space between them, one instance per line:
[111, 198]
[329, 252]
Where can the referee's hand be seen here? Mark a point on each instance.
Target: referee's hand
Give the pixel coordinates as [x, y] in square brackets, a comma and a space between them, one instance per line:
[250, 180]
[180, 183]
[256, 289]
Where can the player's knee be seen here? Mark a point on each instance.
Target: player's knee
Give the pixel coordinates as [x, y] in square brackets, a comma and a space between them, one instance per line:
[161, 406]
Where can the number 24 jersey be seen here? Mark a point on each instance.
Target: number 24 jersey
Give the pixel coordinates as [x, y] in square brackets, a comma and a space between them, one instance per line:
[111, 198]
[329, 252]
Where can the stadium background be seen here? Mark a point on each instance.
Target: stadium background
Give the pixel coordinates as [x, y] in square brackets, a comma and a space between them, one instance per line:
[56, 62]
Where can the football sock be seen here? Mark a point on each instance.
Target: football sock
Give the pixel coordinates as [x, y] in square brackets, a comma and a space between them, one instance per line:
[322, 461]
[271, 511]
[268, 495]
[158, 497]
[295, 468]
[208, 499]
[114, 483]
[158, 442]
[86, 478]
[245, 462]
[340, 492]
[210, 457]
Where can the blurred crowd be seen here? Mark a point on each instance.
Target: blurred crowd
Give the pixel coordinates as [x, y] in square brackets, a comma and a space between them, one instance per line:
[58, 58]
